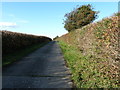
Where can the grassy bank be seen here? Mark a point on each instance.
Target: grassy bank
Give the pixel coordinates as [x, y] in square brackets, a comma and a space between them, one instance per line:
[13, 57]
[88, 71]
[92, 53]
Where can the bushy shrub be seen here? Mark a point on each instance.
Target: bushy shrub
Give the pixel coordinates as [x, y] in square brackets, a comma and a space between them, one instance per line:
[79, 17]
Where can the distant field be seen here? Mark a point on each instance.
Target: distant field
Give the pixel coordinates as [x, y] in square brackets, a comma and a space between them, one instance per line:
[92, 53]
[16, 45]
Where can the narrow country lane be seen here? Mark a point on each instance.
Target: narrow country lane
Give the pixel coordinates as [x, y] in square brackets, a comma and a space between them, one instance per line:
[44, 68]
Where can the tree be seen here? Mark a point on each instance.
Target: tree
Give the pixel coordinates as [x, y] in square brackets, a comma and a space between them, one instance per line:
[79, 17]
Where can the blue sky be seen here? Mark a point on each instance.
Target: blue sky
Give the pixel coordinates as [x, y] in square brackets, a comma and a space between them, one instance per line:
[46, 18]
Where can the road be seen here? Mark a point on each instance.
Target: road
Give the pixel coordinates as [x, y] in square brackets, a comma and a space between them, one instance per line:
[44, 68]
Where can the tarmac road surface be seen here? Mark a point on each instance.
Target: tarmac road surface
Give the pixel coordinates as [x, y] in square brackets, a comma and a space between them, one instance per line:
[44, 68]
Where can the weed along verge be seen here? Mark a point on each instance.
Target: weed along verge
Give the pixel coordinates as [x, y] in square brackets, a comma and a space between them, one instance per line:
[92, 53]
[87, 70]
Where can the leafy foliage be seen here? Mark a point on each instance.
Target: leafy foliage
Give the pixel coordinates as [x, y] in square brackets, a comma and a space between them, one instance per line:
[79, 17]
[12, 41]
[100, 40]
[85, 70]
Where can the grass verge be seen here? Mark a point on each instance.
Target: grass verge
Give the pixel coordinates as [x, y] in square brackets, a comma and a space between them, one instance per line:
[87, 71]
[13, 57]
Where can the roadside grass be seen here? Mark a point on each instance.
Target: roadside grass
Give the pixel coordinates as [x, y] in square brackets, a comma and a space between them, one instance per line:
[15, 56]
[87, 71]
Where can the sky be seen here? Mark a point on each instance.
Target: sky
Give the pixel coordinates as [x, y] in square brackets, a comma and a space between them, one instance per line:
[45, 18]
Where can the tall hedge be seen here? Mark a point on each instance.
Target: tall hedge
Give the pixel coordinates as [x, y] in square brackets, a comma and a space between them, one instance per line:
[12, 41]
[79, 17]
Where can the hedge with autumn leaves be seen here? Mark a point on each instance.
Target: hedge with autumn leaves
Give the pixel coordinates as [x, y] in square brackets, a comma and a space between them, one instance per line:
[13, 41]
[99, 41]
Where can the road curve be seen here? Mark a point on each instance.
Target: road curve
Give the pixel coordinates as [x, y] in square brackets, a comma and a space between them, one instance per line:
[44, 68]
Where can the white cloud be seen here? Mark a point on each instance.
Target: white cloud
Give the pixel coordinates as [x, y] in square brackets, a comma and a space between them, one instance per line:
[7, 24]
